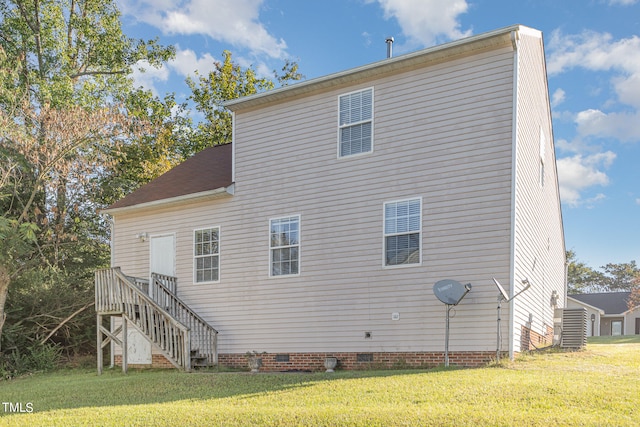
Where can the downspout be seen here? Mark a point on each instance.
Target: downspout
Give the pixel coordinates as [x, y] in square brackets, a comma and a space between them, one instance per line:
[514, 162]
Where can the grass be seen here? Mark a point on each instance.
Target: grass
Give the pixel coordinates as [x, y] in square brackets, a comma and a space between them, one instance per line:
[595, 387]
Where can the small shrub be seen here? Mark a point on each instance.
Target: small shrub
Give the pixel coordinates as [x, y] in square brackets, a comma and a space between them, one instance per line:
[35, 358]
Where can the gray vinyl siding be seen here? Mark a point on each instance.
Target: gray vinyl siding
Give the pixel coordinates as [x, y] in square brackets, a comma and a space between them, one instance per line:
[539, 240]
[442, 133]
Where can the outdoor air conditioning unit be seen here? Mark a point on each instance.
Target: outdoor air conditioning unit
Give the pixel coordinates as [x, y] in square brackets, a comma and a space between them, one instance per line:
[570, 327]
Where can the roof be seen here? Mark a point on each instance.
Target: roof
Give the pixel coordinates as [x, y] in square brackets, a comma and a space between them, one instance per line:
[491, 40]
[610, 302]
[206, 172]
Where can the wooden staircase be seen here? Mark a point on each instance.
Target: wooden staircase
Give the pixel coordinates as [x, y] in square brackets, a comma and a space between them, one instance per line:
[152, 307]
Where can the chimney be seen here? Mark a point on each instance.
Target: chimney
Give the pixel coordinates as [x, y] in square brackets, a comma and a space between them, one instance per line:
[389, 47]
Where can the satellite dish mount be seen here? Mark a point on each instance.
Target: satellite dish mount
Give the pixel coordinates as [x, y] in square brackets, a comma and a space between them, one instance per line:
[503, 296]
[451, 293]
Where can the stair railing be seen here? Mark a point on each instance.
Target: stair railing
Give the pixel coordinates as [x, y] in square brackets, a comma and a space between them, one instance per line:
[204, 338]
[117, 293]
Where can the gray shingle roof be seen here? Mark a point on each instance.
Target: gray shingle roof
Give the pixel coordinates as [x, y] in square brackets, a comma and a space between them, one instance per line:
[610, 302]
[209, 169]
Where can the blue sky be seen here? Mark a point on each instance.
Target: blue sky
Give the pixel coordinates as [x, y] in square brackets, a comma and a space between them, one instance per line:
[593, 63]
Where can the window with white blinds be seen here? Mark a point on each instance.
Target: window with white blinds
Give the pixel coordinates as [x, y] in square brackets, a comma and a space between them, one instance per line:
[356, 123]
[402, 232]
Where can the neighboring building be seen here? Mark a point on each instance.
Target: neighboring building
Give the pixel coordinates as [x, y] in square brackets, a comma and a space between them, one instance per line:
[321, 230]
[607, 313]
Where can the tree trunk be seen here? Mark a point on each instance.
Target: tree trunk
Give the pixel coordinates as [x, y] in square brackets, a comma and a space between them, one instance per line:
[5, 278]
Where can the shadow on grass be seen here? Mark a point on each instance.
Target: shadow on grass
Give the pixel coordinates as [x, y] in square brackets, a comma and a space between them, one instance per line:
[68, 389]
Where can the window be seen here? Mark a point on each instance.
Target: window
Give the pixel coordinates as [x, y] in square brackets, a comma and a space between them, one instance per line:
[355, 127]
[285, 246]
[206, 255]
[402, 230]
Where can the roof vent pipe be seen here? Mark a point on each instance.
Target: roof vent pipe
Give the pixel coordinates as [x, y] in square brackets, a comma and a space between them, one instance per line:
[389, 42]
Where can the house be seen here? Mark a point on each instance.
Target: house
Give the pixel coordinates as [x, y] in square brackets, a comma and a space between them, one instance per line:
[322, 228]
[607, 313]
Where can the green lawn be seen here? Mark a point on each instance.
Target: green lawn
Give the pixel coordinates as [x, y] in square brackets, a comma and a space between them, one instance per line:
[596, 387]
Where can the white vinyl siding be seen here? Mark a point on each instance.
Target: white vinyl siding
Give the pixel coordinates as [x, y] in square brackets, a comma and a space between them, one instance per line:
[442, 133]
[206, 255]
[543, 144]
[356, 123]
[435, 140]
[402, 232]
[284, 243]
[537, 219]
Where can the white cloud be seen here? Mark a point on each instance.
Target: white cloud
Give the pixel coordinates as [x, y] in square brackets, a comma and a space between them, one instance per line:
[425, 21]
[622, 2]
[578, 173]
[593, 51]
[557, 98]
[600, 52]
[623, 126]
[628, 89]
[146, 76]
[187, 61]
[237, 24]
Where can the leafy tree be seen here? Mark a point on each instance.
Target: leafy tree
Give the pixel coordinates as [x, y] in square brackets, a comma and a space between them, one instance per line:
[580, 277]
[173, 136]
[611, 277]
[65, 69]
[634, 296]
[620, 277]
[164, 144]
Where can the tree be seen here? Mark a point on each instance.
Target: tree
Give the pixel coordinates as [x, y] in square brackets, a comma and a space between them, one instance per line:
[634, 296]
[164, 144]
[620, 277]
[65, 69]
[612, 277]
[173, 136]
[580, 277]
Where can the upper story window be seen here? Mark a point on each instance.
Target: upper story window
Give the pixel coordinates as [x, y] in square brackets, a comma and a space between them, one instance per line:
[284, 246]
[355, 130]
[402, 232]
[206, 255]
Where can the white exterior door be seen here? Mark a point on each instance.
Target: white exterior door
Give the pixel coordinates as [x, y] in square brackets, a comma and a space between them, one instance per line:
[162, 257]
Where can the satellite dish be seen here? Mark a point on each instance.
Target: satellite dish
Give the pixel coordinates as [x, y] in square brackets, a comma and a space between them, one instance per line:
[450, 292]
[503, 296]
[501, 289]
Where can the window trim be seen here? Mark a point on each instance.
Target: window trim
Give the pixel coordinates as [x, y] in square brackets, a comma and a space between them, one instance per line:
[341, 126]
[299, 246]
[195, 257]
[385, 235]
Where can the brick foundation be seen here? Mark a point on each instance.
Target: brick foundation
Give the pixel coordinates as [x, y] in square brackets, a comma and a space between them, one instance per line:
[530, 340]
[157, 361]
[274, 362]
[354, 361]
